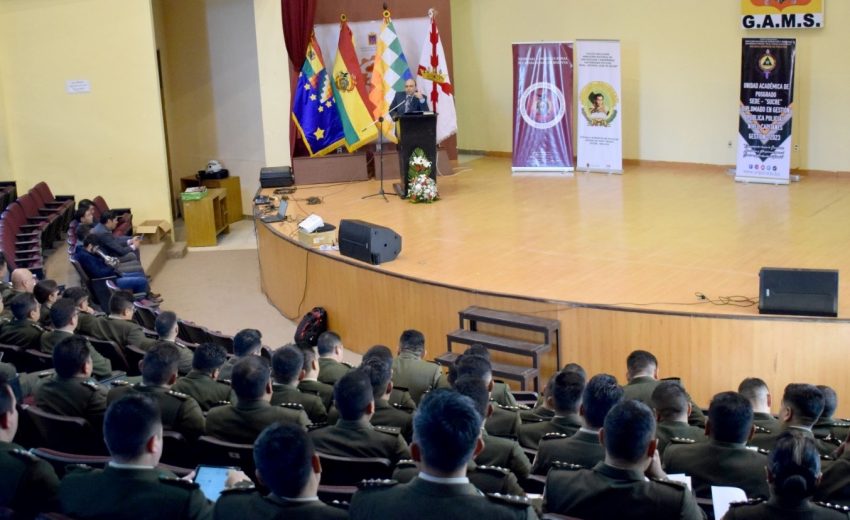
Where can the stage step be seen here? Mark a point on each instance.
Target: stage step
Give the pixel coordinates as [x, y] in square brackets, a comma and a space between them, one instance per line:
[500, 343]
[546, 326]
[525, 375]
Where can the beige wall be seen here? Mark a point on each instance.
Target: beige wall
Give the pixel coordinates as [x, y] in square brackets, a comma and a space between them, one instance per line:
[680, 76]
[109, 141]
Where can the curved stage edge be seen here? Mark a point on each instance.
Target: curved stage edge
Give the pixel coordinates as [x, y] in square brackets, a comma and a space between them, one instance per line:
[367, 305]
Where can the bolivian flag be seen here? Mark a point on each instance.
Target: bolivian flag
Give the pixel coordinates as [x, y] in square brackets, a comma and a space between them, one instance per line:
[349, 88]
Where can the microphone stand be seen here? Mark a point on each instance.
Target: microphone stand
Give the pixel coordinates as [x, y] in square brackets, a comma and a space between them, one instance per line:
[380, 148]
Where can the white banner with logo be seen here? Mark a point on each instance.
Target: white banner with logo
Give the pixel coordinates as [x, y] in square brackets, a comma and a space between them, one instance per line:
[600, 132]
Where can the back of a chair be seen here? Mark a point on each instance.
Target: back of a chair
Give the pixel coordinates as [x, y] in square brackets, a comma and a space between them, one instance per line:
[12, 354]
[68, 434]
[99, 206]
[348, 471]
[111, 351]
[34, 361]
[134, 356]
[60, 460]
[222, 340]
[145, 316]
[188, 331]
[177, 451]
[216, 452]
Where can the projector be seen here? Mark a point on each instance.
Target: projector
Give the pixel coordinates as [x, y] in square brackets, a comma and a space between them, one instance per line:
[311, 223]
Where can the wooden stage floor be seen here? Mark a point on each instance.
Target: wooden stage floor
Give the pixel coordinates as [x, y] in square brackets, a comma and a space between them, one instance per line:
[617, 259]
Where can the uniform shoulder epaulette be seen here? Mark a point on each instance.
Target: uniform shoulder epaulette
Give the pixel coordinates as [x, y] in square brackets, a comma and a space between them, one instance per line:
[750, 502]
[45, 373]
[38, 327]
[174, 481]
[512, 500]
[78, 468]
[671, 483]
[245, 490]
[389, 430]
[559, 464]
[23, 455]
[316, 426]
[399, 406]
[401, 389]
[224, 382]
[120, 382]
[682, 440]
[827, 457]
[349, 365]
[836, 507]
[178, 395]
[407, 463]
[90, 384]
[523, 407]
[762, 451]
[831, 439]
[494, 470]
[841, 422]
[506, 407]
[377, 483]
[760, 429]
[553, 436]
[221, 403]
[292, 406]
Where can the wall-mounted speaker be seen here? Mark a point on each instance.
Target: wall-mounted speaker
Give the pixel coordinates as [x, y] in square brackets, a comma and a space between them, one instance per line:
[802, 292]
[368, 242]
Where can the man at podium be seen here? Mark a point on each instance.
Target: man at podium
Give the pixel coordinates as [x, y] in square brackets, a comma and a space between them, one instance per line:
[411, 100]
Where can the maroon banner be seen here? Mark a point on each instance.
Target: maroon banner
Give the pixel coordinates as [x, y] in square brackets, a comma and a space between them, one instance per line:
[543, 107]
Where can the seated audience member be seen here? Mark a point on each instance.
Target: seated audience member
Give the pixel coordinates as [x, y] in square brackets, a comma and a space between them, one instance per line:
[84, 215]
[243, 421]
[380, 375]
[166, 327]
[540, 412]
[131, 487]
[309, 384]
[200, 383]
[21, 281]
[504, 421]
[119, 325]
[583, 448]
[793, 472]
[96, 264]
[179, 412]
[46, 293]
[758, 394]
[446, 436]
[410, 370]
[835, 485]
[629, 483]
[24, 330]
[5, 287]
[353, 435]
[64, 318]
[287, 369]
[801, 406]
[642, 377]
[564, 395]
[72, 392]
[123, 248]
[28, 485]
[400, 398]
[331, 366]
[246, 342]
[724, 460]
[672, 408]
[501, 392]
[828, 428]
[86, 316]
[288, 466]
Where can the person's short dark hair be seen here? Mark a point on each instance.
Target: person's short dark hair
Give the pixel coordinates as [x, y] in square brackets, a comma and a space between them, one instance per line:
[600, 394]
[352, 394]
[22, 305]
[794, 463]
[805, 400]
[119, 302]
[327, 341]
[446, 427]
[287, 363]
[670, 400]
[566, 391]
[641, 361]
[69, 356]
[79, 213]
[208, 357]
[84, 204]
[83, 232]
[160, 363]
[77, 294]
[475, 389]
[752, 388]
[730, 415]
[412, 341]
[107, 215]
[165, 321]
[250, 377]
[575, 367]
[381, 352]
[379, 374]
[246, 342]
[477, 349]
[471, 365]
[309, 354]
[629, 428]
[63, 312]
[283, 455]
[830, 401]
[129, 423]
[6, 396]
[44, 289]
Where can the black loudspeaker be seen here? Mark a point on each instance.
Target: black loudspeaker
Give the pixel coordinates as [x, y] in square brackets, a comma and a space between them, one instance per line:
[276, 177]
[803, 292]
[368, 242]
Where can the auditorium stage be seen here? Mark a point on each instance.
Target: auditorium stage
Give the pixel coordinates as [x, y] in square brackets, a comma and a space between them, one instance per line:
[618, 259]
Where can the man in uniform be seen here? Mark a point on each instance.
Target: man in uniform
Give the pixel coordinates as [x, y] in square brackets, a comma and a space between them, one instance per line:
[671, 411]
[629, 483]
[287, 369]
[246, 342]
[119, 325]
[353, 435]
[200, 383]
[724, 460]
[758, 394]
[86, 316]
[72, 392]
[46, 293]
[410, 370]
[642, 377]
[583, 448]
[24, 330]
[131, 487]
[380, 376]
[167, 327]
[563, 394]
[501, 392]
[310, 383]
[242, 422]
[331, 366]
[179, 412]
[828, 428]
[802, 404]
[503, 421]
[834, 486]
[288, 466]
[22, 282]
[399, 398]
[64, 317]
[28, 485]
[446, 436]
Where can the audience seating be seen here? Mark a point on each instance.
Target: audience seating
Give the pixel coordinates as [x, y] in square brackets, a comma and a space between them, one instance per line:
[216, 452]
[70, 434]
[221, 339]
[61, 459]
[12, 354]
[113, 288]
[348, 471]
[115, 354]
[145, 315]
[188, 331]
[125, 216]
[34, 361]
[63, 203]
[96, 286]
[8, 193]
[134, 355]
[177, 450]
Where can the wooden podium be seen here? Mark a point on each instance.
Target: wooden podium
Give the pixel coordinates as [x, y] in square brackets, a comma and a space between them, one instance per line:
[415, 131]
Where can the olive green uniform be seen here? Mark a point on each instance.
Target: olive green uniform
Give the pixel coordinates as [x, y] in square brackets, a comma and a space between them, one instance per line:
[324, 391]
[504, 422]
[385, 415]
[28, 485]
[641, 388]
[184, 366]
[502, 394]
[360, 439]
[489, 479]
[86, 322]
[7, 293]
[766, 421]
[312, 403]
[504, 453]
[402, 400]
[122, 332]
[249, 504]
[831, 430]
[766, 441]
[536, 414]
[101, 367]
[242, 423]
[414, 374]
[180, 412]
[531, 433]
[226, 371]
[73, 397]
[609, 492]
[835, 484]
[720, 464]
[29, 381]
[22, 333]
[331, 371]
[776, 509]
[582, 449]
[208, 392]
[666, 431]
[426, 500]
[130, 494]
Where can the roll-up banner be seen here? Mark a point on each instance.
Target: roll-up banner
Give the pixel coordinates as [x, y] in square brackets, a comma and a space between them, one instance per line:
[600, 133]
[767, 100]
[543, 87]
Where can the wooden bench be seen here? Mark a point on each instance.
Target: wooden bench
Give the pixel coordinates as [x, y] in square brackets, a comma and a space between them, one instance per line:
[525, 375]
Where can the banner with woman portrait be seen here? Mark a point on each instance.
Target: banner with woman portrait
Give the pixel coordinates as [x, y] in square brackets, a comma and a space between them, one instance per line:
[600, 133]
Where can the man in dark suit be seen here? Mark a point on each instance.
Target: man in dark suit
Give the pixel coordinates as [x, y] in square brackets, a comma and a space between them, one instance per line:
[411, 100]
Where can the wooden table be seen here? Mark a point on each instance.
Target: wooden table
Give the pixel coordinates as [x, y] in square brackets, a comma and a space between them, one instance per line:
[231, 185]
[206, 218]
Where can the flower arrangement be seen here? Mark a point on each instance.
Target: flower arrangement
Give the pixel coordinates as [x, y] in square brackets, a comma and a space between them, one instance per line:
[421, 187]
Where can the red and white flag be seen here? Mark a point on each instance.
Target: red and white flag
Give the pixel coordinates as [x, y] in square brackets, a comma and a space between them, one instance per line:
[432, 78]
